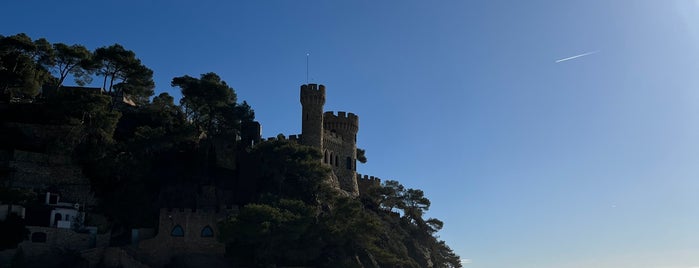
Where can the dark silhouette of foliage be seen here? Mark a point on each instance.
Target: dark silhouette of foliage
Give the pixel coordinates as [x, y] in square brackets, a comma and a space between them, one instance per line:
[90, 113]
[289, 170]
[116, 64]
[72, 60]
[268, 234]
[211, 104]
[12, 231]
[23, 64]
[361, 155]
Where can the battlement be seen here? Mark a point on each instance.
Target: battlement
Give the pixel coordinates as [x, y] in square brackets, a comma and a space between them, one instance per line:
[364, 182]
[368, 178]
[296, 138]
[201, 211]
[342, 116]
[272, 139]
[313, 94]
[281, 137]
[345, 123]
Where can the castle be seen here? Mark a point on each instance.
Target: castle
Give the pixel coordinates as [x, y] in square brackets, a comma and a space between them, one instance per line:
[335, 135]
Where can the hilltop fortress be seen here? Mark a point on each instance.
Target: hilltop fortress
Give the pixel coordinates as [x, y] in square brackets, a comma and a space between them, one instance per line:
[37, 157]
[335, 135]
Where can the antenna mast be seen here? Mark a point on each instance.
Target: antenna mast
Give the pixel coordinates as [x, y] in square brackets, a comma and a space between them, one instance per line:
[307, 54]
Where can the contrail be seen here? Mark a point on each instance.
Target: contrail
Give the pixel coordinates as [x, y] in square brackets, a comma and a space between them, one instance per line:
[577, 56]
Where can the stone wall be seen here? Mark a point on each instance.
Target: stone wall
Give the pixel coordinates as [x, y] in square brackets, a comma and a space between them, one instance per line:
[170, 242]
[365, 182]
[61, 239]
[40, 170]
[336, 150]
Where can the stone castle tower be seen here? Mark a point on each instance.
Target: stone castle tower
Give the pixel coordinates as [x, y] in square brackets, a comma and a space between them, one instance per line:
[334, 135]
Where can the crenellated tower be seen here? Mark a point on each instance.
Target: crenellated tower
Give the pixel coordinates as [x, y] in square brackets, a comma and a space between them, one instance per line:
[344, 124]
[341, 144]
[312, 101]
[335, 135]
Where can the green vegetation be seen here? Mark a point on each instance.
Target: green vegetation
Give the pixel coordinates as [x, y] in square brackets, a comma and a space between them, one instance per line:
[141, 156]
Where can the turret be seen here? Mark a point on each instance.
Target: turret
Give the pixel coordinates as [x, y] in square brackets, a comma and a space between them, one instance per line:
[345, 126]
[312, 101]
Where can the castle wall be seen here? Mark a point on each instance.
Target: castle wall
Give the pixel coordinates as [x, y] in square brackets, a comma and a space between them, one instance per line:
[168, 242]
[366, 182]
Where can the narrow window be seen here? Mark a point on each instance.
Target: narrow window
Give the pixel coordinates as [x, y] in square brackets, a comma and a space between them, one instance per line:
[58, 217]
[331, 158]
[326, 157]
[207, 232]
[337, 160]
[177, 231]
[349, 163]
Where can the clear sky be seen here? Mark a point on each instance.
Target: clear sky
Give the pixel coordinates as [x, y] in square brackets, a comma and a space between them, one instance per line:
[589, 162]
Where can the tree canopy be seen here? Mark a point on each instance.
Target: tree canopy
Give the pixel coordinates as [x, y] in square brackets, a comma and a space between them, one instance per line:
[23, 64]
[210, 104]
[117, 64]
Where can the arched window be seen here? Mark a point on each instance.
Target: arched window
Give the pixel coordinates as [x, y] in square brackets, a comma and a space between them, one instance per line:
[39, 237]
[337, 160]
[326, 157]
[207, 232]
[331, 158]
[177, 231]
[349, 163]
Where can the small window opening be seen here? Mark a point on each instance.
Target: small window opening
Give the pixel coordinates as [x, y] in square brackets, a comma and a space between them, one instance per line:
[207, 232]
[177, 231]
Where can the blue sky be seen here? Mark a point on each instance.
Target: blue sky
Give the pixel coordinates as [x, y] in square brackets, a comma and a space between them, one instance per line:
[591, 162]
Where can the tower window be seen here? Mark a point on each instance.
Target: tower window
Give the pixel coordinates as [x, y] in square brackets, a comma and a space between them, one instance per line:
[177, 231]
[331, 159]
[337, 161]
[325, 160]
[349, 163]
